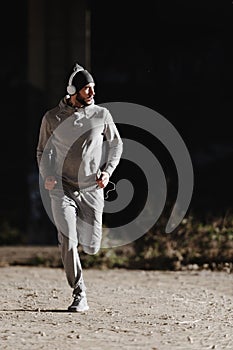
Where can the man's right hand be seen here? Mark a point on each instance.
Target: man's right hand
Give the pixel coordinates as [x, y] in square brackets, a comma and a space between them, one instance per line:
[50, 182]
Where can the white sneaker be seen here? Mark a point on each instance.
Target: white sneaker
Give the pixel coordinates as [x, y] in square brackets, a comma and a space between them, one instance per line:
[79, 303]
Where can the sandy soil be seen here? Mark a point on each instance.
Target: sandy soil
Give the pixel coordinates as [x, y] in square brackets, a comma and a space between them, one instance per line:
[129, 309]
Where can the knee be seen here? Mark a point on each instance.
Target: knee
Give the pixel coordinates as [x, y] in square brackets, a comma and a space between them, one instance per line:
[91, 250]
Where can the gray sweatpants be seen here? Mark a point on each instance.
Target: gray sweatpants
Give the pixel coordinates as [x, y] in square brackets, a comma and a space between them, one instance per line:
[78, 219]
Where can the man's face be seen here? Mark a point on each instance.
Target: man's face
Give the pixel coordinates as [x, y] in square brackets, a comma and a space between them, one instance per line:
[86, 95]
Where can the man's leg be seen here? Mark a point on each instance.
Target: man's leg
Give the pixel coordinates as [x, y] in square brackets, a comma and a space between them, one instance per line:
[64, 211]
[89, 223]
[71, 263]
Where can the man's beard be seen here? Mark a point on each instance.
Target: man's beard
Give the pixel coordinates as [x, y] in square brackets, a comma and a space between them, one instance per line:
[82, 101]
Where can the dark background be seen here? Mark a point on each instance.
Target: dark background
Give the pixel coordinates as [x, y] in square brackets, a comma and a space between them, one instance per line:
[172, 56]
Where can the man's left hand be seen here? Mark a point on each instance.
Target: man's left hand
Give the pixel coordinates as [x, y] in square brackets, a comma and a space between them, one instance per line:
[103, 179]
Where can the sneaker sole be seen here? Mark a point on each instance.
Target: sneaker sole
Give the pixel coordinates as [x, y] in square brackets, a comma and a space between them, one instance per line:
[74, 309]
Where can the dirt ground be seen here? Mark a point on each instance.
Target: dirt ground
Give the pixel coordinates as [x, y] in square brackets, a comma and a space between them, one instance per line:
[129, 309]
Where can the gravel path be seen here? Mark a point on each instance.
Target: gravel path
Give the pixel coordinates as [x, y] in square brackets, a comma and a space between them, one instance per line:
[129, 309]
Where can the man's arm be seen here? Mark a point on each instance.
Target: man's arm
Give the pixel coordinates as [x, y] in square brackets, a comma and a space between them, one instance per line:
[114, 145]
[45, 155]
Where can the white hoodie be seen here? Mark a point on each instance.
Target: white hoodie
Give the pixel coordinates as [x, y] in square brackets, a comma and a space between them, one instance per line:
[75, 143]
